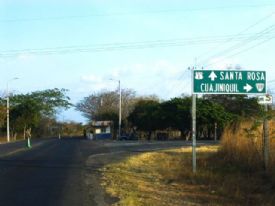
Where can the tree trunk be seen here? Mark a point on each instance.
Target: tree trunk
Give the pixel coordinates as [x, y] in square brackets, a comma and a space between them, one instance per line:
[149, 135]
[24, 132]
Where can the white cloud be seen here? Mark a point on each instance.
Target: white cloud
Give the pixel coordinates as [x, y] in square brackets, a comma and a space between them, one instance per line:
[162, 78]
[25, 57]
[92, 78]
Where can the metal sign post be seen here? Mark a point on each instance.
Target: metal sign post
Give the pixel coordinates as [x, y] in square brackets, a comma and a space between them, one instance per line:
[194, 133]
[266, 139]
[265, 100]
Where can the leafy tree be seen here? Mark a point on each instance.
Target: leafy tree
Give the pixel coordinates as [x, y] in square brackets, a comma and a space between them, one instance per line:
[237, 105]
[175, 114]
[25, 115]
[27, 110]
[47, 101]
[145, 116]
[210, 113]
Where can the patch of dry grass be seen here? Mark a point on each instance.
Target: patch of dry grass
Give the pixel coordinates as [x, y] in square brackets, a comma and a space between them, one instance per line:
[162, 178]
[231, 174]
[3, 139]
[244, 146]
[166, 178]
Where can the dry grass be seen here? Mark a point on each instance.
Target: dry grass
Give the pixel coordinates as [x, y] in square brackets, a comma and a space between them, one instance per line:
[245, 146]
[166, 178]
[4, 139]
[231, 174]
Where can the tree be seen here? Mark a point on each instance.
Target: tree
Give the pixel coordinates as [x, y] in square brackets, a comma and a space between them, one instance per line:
[237, 105]
[150, 115]
[175, 114]
[210, 113]
[27, 110]
[47, 101]
[145, 116]
[104, 105]
[25, 115]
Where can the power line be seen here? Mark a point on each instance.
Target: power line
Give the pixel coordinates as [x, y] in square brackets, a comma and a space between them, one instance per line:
[242, 31]
[237, 46]
[126, 45]
[56, 18]
[245, 50]
[242, 43]
[251, 38]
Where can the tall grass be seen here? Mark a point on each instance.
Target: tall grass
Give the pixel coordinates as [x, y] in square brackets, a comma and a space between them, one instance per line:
[243, 144]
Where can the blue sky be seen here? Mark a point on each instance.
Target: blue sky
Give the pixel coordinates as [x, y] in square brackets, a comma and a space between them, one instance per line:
[238, 33]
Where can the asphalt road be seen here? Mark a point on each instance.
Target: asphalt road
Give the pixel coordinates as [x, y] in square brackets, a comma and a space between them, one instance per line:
[62, 172]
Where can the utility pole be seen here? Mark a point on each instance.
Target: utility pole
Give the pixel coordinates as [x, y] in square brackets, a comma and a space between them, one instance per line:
[266, 138]
[120, 105]
[194, 129]
[8, 116]
[8, 109]
[119, 122]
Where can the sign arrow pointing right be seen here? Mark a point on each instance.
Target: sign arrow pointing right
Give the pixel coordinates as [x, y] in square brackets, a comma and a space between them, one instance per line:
[248, 87]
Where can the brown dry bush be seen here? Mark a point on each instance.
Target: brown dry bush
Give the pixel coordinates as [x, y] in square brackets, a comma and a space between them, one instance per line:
[243, 144]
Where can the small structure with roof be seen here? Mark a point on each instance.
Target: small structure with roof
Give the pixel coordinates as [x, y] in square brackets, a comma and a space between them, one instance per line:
[100, 130]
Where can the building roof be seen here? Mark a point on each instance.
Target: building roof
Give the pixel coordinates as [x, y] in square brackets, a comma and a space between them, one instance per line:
[101, 123]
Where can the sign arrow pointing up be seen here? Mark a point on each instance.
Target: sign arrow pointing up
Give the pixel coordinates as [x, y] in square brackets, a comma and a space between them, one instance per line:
[212, 76]
[248, 87]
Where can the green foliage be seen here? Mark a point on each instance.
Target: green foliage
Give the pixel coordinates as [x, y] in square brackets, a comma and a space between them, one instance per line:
[149, 114]
[176, 114]
[145, 116]
[46, 102]
[209, 113]
[237, 105]
[28, 110]
[26, 114]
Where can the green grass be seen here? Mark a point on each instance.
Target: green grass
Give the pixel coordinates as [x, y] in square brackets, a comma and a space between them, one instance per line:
[166, 178]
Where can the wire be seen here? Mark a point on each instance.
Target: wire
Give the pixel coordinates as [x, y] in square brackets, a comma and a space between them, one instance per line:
[245, 50]
[241, 32]
[252, 38]
[55, 18]
[126, 46]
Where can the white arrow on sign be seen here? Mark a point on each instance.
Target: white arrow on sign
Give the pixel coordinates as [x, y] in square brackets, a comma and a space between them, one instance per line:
[212, 76]
[247, 87]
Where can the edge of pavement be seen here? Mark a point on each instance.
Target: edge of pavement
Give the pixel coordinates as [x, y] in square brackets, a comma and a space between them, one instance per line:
[8, 149]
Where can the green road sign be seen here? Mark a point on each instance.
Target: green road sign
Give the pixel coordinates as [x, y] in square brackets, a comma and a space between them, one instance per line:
[229, 82]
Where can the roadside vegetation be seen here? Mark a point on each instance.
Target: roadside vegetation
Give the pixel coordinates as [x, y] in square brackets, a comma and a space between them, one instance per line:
[36, 111]
[229, 174]
[148, 117]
